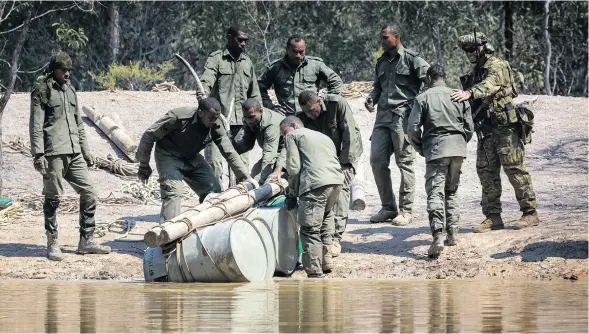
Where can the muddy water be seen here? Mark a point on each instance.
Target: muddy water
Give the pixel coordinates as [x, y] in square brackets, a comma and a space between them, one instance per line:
[295, 306]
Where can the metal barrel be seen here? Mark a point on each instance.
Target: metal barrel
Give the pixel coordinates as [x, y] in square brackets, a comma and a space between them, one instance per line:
[283, 227]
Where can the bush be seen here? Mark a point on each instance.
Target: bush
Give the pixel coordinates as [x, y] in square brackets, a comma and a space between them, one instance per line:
[132, 76]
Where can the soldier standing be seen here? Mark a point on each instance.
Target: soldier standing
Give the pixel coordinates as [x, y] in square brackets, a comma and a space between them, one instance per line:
[315, 177]
[332, 116]
[294, 73]
[490, 89]
[60, 151]
[229, 76]
[447, 127]
[398, 79]
[179, 137]
[262, 125]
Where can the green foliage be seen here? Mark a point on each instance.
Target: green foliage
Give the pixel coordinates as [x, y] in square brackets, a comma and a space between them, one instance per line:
[132, 76]
[70, 38]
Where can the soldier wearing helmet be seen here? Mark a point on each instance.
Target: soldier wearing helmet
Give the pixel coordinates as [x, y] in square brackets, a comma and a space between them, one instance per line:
[490, 89]
[60, 151]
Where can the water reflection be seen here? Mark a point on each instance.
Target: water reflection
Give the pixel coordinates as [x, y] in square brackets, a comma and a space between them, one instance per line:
[295, 306]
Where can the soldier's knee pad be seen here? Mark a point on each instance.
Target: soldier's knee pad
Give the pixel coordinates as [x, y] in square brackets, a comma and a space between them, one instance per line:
[511, 157]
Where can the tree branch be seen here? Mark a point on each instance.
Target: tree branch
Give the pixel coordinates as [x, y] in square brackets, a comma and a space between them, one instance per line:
[37, 17]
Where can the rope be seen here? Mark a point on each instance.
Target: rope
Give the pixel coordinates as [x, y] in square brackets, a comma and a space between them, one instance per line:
[18, 145]
[117, 166]
[10, 214]
[150, 193]
[67, 204]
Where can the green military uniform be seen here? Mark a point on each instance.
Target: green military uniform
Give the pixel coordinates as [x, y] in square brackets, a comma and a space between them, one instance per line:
[57, 132]
[270, 140]
[179, 137]
[289, 82]
[336, 121]
[447, 127]
[315, 176]
[397, 81]
[493, 88]
[231, 81]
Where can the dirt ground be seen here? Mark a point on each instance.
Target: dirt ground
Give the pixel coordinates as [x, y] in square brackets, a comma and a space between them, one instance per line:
[557, 249]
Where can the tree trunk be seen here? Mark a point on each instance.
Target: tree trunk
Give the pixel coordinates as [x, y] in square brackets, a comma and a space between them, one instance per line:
[438, 45]
[508, 29]
[115, 30]
[12, 77]
[548, 50]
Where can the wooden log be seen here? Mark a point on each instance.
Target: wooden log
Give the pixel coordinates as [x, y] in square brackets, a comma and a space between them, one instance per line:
[357, 195]
[109, 127]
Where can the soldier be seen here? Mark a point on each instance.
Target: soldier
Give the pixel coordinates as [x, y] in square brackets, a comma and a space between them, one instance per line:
[293, 74]
[262, 125]
[490, 89]
[447, 127]
[60, 151]
[332, 116]
[179, 137]
[315, 177]
[229, 76]
[399, 76]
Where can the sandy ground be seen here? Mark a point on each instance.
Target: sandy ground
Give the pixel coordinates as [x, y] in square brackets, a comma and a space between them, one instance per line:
[557, 161]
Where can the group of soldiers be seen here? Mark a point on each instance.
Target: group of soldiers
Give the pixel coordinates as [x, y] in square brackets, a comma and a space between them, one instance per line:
[310, 139]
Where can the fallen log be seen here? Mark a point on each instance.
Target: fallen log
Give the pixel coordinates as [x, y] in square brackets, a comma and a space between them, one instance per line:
[357, 195]
[113, 131]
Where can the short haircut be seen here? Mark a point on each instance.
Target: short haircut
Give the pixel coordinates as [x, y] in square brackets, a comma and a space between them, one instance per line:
[250, 104]
[308, 96]
[234, 31]
[208, 104]
[436, 72]
[293, 38]
[291, 120]
[395, 28]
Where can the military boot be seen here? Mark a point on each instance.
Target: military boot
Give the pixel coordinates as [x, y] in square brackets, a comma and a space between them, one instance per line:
[383, 215]
[315, 275]
[437, 245]
[327, 259]
[90, 246]
[402, 219]
[492, 222]
[528, 219]
[53, 251]
[451, 237]
[336, 248]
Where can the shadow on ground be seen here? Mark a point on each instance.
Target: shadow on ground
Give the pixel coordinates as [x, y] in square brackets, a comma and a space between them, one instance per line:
[540, 251]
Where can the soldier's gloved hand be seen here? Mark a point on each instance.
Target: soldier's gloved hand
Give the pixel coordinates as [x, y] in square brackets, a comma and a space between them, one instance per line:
[144, 172]
[369, 104]
[89, 158]
[349, 173]
[41, 164]
[290, 203]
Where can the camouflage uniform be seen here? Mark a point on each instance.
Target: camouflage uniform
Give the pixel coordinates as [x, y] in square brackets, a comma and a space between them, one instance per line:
[315, 177]
[179, 137]
[336, 121]
[493, 88]
[397, 81]
[231, 81]
[289, 82]
[270, 140]
[447, 127]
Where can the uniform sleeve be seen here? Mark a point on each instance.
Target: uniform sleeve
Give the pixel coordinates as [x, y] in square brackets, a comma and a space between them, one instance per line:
[36, 121]
[223, 142]
[155, 132]
[334, 82]
[253, 89]
[468, 123]
[81, 131]
[421, 66]
[264, 83]
[376, 87]
[292, 165]
[351, 149]
[414, 127]
[209, 76]
[269, 151]
[490, 85]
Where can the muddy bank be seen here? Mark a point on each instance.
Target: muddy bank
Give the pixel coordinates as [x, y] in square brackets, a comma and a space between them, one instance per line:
[557, 161]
